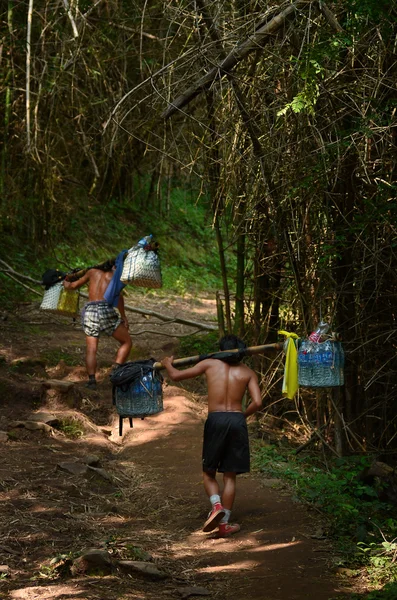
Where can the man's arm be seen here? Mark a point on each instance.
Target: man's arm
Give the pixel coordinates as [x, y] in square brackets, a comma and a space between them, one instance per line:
[255, 393]
[177, 375]
[75, 285]
[121, 308]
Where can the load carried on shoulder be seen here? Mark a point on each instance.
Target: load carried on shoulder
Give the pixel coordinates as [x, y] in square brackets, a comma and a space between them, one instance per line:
[140, 266]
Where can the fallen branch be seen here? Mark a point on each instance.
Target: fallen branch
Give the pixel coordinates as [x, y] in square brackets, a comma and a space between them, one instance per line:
[252, 43]
[20, 283]
[171, 335]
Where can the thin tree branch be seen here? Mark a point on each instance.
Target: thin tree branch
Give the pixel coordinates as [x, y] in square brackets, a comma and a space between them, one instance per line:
[332, 20]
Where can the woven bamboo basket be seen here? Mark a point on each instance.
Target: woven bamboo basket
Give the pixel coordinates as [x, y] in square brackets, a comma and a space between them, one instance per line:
[142, 398]
[142, 268]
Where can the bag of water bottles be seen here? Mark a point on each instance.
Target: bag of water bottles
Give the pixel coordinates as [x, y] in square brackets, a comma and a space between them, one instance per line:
[142, 265]
[320, 364]
[137, 389]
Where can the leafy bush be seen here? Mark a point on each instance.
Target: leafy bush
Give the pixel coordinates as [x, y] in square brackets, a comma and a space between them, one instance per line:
[72, 428]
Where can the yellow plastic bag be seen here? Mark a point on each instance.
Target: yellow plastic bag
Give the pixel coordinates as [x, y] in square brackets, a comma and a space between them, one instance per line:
[68, 303]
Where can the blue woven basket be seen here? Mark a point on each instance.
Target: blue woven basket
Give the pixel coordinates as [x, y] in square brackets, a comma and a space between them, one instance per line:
[142, 398]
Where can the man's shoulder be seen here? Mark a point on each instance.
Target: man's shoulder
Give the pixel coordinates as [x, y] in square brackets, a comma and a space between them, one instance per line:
[209, 362]
[98, 273]
[246, 369]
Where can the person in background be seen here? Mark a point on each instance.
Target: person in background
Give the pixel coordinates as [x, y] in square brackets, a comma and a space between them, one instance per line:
[99, 315]
[225, 441]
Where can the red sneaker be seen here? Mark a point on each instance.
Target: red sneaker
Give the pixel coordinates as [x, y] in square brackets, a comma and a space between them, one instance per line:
[226, 529]
[217, 513]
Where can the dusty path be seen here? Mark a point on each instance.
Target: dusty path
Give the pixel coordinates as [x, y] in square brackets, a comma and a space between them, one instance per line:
[272, 558]
[157, 502]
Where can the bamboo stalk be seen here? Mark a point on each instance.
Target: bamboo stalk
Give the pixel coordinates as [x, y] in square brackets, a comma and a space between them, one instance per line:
[191, 360]
[71, 19]
[28, 60]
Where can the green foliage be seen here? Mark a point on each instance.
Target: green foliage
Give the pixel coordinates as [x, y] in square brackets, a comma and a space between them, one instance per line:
[188, 249]
[310, 71]
[136, 553]
[72, 428]
[362, 10]
[352, 509]
[381, 556]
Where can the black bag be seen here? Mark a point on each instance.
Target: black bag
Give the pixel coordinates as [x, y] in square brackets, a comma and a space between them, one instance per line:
[137, 389]
[129, 372]
[51, 277]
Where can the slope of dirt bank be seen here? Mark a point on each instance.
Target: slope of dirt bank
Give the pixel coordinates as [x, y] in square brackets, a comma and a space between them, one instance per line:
[138, 497]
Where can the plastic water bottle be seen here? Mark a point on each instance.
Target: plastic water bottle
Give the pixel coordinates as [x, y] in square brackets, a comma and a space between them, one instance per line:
[327, 354]
[321, 329]
[145, 241]
[305, 357]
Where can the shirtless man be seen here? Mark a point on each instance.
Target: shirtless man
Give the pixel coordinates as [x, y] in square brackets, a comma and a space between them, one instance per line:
[99, 316]
[225, 443]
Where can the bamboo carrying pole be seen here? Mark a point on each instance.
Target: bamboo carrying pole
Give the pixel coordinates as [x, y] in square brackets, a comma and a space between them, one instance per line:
[191, 360]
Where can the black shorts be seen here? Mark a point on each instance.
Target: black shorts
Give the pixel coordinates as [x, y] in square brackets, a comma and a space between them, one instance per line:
[225, 444]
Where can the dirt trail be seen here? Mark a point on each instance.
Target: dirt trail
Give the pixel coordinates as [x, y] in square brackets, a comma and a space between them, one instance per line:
[155, 503]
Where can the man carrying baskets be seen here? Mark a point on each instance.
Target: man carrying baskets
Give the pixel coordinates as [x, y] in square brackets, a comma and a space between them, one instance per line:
[225, 444]
[99, 314]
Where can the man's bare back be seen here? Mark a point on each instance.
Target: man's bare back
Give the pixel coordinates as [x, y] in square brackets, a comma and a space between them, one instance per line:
[97, 281]
[226, 384]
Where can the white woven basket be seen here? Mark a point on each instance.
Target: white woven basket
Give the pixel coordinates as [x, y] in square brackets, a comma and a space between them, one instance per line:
[142, 268]
[51, 298]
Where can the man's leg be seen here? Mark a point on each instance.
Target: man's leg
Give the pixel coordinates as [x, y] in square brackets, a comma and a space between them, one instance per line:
[91, 362]
[211, 487]
[229, 490]
[92, 347]
[123, 337]
[228, 495]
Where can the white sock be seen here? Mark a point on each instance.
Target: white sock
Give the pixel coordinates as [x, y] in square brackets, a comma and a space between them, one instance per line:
[226, 518]
[214, 499]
